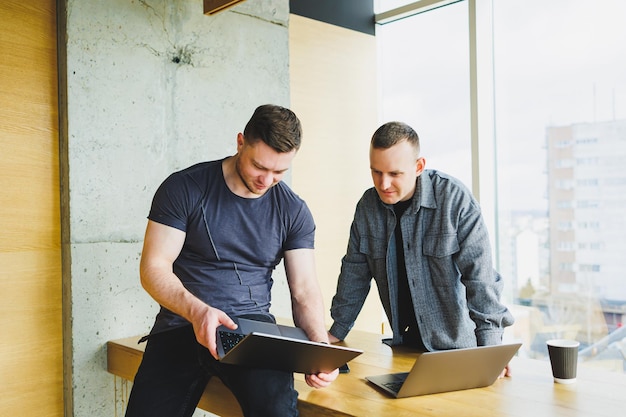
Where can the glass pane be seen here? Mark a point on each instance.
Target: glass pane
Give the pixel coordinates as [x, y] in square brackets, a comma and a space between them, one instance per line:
[560, 90]
[423, 62]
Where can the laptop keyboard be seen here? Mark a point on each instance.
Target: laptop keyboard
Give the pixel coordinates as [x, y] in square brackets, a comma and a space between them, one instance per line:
[393, 386]
[230, 339]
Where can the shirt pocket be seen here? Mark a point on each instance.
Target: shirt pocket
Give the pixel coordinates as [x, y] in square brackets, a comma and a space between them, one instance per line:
[375, 251]
[373, 247]
[440, 246]
[438, 251]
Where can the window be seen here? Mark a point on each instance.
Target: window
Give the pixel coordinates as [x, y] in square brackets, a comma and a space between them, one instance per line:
[558, 77]
[424, 84]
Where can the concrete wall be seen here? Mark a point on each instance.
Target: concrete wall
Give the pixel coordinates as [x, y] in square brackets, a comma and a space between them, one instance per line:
[152, 86]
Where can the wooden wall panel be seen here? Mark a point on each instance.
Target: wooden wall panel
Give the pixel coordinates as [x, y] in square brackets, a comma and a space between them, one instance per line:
[31, 374]
[334, 93]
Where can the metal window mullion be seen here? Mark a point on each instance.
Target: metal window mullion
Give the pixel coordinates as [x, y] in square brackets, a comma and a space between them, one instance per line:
[482, 112]
[410, 9]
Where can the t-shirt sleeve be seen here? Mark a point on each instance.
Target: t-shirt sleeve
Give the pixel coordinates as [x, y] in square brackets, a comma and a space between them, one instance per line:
[302, 229]
[172, 202]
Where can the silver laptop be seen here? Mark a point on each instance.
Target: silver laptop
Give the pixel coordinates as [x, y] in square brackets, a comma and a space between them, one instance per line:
[448, 370]
[259, 344]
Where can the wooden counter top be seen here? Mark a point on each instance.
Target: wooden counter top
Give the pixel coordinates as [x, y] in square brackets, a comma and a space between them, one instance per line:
[530, 391]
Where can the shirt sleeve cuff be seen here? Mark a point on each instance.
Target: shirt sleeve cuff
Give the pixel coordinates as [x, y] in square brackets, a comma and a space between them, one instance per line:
[489, 337]
[339, 331]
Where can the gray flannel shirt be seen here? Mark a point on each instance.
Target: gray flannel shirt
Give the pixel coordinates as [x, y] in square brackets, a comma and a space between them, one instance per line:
[454, 287]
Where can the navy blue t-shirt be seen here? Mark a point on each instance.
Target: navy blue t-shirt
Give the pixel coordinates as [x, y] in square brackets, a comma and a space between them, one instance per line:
[232, 243]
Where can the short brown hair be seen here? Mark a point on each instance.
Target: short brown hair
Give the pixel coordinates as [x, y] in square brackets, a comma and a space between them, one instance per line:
[392, 133]
[277, 126]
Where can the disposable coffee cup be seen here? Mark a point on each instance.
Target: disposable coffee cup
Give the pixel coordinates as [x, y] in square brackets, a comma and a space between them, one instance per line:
[563, 359]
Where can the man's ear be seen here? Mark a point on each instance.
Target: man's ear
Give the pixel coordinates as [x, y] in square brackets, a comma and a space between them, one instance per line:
[420, 165]
[240, 141]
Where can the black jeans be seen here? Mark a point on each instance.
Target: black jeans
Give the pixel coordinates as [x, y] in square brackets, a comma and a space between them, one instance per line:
[176, 368]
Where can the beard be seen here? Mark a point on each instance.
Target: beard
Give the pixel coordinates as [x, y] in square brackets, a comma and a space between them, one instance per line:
[246, 183]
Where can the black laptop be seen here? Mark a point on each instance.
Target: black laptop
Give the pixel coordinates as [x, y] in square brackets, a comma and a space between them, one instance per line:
[260, 344]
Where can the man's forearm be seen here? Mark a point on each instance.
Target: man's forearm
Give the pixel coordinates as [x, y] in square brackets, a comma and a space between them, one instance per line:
[167, 290]
[309, 316]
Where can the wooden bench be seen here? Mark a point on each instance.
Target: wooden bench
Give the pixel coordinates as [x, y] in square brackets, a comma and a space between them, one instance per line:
[530, 390]
[124, 357]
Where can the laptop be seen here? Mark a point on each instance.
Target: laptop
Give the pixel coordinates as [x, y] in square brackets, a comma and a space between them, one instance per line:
[259, 344]
[448, 370]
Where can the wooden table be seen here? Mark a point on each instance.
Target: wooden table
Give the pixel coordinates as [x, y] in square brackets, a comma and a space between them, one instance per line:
[530, 391]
